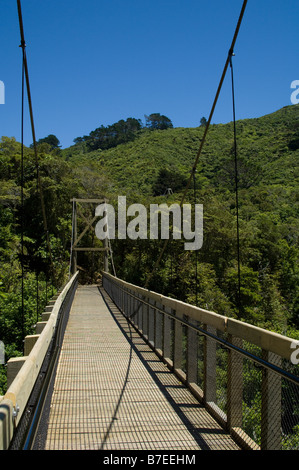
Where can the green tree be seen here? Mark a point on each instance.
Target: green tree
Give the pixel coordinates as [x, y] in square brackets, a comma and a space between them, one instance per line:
[52, 140]
[108, 137]
[168, 179]
[203, 122]
[158, 121]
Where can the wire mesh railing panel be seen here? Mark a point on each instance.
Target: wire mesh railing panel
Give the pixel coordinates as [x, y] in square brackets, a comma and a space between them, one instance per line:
[221, 379]
[159, 332]
[200, 361]
[252, 391]
[171, 332]
[184, 347]
[290, 410]
[252, 400]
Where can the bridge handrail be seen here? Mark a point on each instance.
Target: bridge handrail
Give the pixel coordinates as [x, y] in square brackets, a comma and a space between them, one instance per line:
[267, 340]
[13, 403]
[173, 329]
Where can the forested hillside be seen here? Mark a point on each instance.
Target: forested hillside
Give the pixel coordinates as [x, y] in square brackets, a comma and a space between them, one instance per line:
[152, 164]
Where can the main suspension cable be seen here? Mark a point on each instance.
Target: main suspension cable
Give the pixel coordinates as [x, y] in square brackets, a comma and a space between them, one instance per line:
[23, 46]
[231, 50]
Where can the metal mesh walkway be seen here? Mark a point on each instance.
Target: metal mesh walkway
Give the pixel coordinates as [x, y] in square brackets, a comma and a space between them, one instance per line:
[112, 392]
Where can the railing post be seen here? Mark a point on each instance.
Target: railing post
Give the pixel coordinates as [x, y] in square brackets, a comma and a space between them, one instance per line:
[130, 304]
[159, 330]
[145, 309]
[135, 311]
[209, 367]
[271, 405]
[14, 365]
[167, 336]
[234, 385]
[140, 315]
[178, 344]
[151, 323]
[106, 259]
[122, 300]
[126, 303]
[6, 423]
[192, 353]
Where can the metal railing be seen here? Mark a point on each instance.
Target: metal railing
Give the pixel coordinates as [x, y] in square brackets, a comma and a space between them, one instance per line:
[22, 405]
[241, 373]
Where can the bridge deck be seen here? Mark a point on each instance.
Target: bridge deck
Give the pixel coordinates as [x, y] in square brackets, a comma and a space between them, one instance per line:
[112, 392]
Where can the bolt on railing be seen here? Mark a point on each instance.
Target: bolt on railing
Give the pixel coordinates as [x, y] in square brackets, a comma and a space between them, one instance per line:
[242, 374]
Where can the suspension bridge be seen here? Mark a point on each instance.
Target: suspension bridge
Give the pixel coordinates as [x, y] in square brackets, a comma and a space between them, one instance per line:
[116, 366]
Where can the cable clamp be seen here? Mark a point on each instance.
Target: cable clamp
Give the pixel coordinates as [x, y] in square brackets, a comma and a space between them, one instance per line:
[16, 410]
[230, 55]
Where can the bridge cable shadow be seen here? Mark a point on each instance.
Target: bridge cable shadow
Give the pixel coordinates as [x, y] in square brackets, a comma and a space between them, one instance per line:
[114, 417]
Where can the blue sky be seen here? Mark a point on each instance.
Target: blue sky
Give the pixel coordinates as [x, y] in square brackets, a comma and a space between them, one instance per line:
[94, 62]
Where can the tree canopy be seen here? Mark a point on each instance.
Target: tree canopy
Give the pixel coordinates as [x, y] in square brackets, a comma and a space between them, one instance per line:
[106, 137]
[158, 121]
[110, 136]
[52, 140]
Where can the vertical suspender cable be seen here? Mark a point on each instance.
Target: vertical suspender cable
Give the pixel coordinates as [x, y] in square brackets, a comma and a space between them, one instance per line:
[111, 256]
[236, 185]
[23, 46]
[37, 294]
[196, 251]
[72, 241]
[36, 270]
[231, 50]
[22, 199]
[110, 248]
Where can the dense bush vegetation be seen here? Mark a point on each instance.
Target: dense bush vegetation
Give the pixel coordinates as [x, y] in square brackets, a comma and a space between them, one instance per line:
[142, 164]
